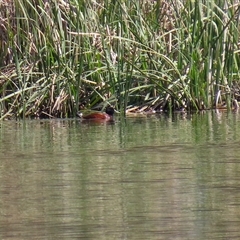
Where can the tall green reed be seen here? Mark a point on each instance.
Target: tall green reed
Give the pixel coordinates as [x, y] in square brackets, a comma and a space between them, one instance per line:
[76, 54]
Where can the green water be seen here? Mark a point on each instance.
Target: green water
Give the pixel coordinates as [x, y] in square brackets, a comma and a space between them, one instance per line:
[141, 178]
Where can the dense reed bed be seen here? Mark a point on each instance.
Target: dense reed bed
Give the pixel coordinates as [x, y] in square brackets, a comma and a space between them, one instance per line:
[60, 56]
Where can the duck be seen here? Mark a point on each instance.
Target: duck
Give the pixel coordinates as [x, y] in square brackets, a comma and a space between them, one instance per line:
[104, 116]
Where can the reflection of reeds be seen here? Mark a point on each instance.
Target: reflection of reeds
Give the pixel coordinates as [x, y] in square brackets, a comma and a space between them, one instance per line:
[59, 56]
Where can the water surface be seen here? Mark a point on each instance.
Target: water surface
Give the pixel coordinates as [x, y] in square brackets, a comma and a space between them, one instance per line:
[155, 177]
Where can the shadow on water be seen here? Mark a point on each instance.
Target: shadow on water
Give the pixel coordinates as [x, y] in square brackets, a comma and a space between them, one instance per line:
[144, 178]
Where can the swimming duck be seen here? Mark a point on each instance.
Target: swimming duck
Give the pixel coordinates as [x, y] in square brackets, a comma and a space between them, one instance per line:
[107, 115]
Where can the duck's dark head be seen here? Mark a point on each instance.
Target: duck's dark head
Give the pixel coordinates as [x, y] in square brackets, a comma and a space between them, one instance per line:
[110, 111]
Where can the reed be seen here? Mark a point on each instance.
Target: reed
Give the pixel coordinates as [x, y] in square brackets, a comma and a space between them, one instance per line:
[59, 56]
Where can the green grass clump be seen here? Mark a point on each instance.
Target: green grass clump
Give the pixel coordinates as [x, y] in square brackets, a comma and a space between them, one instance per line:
[59, 56]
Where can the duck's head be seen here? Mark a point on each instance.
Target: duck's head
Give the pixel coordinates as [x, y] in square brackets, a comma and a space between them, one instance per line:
[110, 111]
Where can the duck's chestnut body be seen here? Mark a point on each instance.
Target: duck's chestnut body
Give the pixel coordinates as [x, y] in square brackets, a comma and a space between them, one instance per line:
[108, 115]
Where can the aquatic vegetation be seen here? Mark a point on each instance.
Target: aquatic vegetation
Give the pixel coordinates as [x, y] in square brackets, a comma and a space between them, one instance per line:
[59, 56]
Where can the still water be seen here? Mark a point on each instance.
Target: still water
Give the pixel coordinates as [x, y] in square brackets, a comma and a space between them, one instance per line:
[153, 177]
